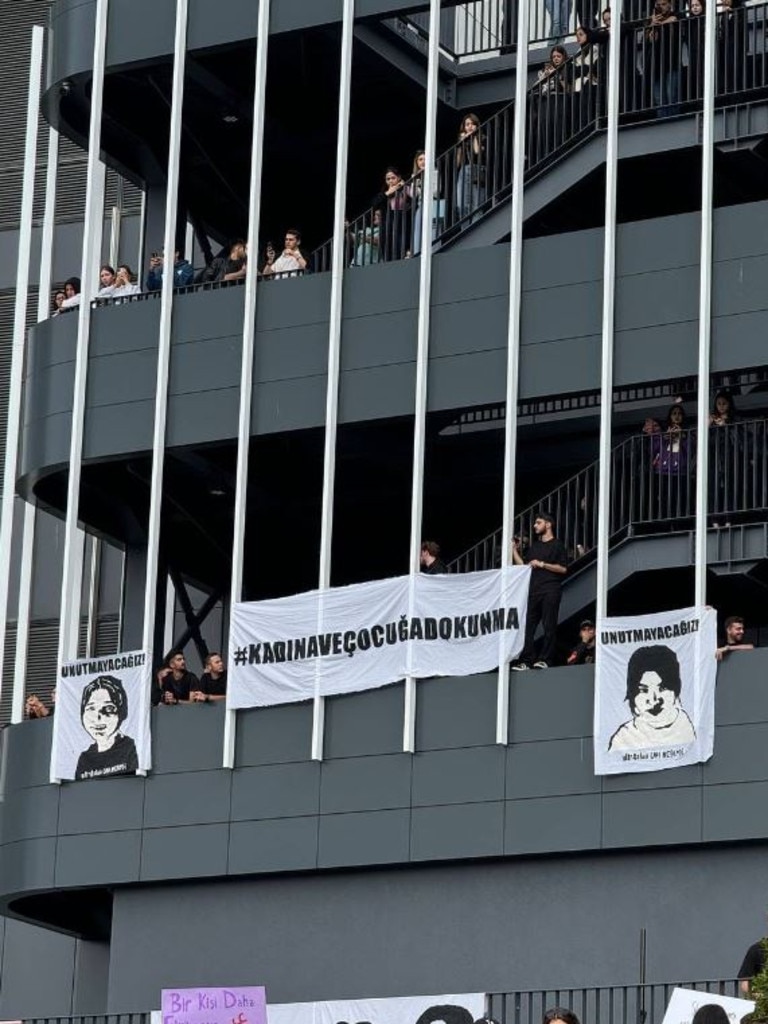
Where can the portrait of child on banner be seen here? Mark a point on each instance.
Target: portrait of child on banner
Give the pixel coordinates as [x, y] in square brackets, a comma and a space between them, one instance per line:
[101, 727]
[655, 691]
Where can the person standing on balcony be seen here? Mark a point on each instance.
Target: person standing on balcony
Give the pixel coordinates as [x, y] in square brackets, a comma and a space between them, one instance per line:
[430, 560]
[584, 651]
[183, 273]
[174, 683]
[663, 58]
[71, 293]
[559, 12]
[290, 262]
[584, 80]
[672, 465]
[415, 191]
[548, 559]
[470, 168]
[732, 49]
[549, 109]
[124, 283]
[213, 682]
[693, 39]
[726, 467]
[106, 282]
[395, 205]
[734, 637]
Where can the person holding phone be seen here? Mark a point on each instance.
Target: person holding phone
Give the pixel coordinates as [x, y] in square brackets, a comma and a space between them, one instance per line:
[291, 262]
[183, 274]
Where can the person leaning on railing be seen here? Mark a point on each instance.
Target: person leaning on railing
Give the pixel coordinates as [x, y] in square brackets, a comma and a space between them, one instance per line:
[229, 267]
[673, 465]
[725, 457]
[125, 284]
[471, 158]
[549, 122]
[395, 205]
[692, 34]
[662, 57]
[584, 77]
[732, 48]
[183, 272]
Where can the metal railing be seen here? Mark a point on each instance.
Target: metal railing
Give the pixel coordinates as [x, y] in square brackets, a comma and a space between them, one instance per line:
[653, 487]
[489, 27]
[661, 77]
[615, 1004]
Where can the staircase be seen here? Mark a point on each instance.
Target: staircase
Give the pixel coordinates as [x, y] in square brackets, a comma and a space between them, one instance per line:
[652, 510]
[565, 117]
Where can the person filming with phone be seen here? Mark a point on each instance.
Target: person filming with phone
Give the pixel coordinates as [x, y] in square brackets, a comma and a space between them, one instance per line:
[290, 263]
[182, 272]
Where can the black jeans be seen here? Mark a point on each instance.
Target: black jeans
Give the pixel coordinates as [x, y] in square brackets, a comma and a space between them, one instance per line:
[542, 608]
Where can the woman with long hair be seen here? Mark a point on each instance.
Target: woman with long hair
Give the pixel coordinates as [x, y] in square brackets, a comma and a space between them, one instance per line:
[727, 472]
[470, 167]
[395, 205]
[673, 465]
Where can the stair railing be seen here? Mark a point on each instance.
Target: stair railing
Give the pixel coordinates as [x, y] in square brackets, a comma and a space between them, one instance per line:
[653, 489]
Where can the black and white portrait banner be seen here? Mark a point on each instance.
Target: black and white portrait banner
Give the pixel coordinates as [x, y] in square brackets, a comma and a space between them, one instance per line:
[101, 725]
[363, 636]
[655, 691]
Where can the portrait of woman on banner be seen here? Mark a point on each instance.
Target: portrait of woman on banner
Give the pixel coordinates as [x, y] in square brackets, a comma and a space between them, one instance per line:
[103, 709]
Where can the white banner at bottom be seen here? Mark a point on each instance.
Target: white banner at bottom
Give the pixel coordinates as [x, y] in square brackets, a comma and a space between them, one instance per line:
[354, 638]
[445, 1009]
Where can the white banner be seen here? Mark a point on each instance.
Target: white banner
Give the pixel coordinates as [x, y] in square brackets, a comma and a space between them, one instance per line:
[359, 637]
[686, 1003]
[101, 724]
[445, 1009]
[655, 691]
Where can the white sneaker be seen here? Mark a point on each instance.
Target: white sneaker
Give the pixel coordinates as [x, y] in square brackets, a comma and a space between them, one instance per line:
[540, 664]
[520, 666]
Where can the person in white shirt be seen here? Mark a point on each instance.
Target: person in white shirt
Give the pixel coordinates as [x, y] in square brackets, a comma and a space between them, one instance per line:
[290, 263]
[72, 292]
[124, 283]
[106, 282]
[653, 694]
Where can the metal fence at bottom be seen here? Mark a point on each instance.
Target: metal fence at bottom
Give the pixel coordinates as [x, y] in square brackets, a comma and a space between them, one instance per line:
[615, 1004]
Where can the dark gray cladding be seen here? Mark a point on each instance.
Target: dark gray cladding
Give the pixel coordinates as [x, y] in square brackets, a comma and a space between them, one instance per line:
[460, 797]
[656, 337]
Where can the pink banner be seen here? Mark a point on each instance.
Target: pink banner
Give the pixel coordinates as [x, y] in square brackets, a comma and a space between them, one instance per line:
[235, 1005]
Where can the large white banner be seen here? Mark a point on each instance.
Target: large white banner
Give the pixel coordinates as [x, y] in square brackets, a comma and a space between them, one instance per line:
[445, 1009]
[359, 637]
[101, 724]
[655, 691]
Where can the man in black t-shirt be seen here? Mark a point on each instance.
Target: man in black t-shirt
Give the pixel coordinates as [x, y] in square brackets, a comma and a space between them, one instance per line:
[549, 563]
[430, 560]
[584, 651]
[213, 682]
[734, 638]
[752, 965]
[174, 682]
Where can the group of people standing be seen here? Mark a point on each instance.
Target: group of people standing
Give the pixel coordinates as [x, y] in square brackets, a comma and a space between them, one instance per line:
[393, 228]
[667, 463]
[113, 284]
